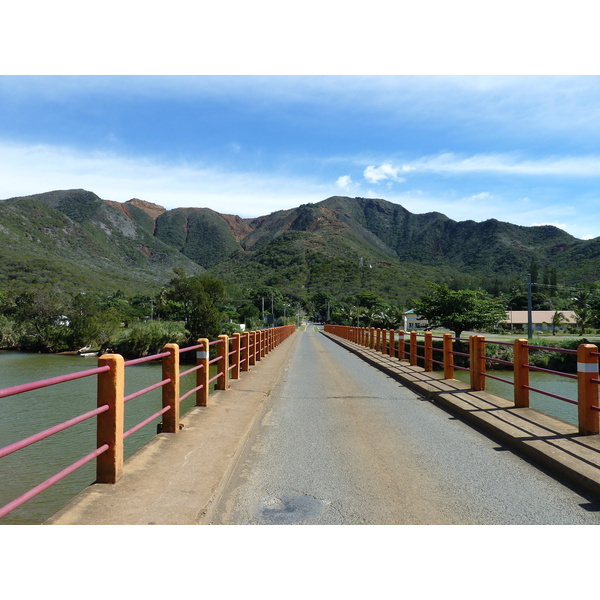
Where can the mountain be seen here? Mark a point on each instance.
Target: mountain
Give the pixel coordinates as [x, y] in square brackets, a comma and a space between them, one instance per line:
[75, 240]
[342, 245]
[320, 246]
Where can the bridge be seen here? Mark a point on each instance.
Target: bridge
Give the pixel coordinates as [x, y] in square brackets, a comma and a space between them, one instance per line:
[353, 425]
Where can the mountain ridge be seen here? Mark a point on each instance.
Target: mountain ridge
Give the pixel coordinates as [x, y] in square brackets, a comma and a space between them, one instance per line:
[313, 247]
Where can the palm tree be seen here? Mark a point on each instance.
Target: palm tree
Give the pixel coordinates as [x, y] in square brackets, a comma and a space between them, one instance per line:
[557, 320]
[582, 310]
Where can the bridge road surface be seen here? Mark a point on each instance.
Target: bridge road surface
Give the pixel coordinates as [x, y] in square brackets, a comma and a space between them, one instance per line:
[342, 443]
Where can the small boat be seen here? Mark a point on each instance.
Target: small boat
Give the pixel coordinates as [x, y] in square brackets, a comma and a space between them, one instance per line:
[85, 352]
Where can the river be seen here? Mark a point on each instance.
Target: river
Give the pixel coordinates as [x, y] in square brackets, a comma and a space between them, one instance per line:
[26, 414]
[555, 384]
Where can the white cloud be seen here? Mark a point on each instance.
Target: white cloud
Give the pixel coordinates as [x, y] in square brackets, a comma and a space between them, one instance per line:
[344, 182]
[572, 166]
[26, 170]
[387, 171]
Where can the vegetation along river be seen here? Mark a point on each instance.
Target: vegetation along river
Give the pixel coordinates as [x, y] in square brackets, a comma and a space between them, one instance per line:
[26, 414]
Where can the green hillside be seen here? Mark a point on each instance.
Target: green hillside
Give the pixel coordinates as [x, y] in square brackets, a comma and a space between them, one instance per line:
[199, 233]
[341, 245]
[76, 241]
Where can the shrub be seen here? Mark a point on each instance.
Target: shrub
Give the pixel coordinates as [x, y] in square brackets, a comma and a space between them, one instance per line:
[145, 339]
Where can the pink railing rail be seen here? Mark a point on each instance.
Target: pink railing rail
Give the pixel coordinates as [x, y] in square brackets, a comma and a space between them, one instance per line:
[14, 447]
[587, 366]
[253, 347]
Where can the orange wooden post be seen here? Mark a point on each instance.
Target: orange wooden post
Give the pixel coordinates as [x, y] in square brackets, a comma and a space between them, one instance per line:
[477, 362]
[401, 353]
[448, 357]
[203, 374]
[245, 351]
[377, 339]
[372, 337]
[428, 351]
[222, 383]
[392, 348]
[587, 389]
[413, 348]
[252, 348]
[258, 340]
[109, 425]
[521, 373]
[236, 348]
[170, 391]
[473, 362]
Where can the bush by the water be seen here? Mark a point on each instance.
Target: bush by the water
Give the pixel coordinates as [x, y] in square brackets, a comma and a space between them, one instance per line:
[145, 339]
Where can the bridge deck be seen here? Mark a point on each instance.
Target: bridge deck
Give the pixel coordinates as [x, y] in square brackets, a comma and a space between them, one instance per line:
[175, 478]
[550, 442]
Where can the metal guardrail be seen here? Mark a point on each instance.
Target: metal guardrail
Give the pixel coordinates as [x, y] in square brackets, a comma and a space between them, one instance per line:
[234, 355]
[587, 365]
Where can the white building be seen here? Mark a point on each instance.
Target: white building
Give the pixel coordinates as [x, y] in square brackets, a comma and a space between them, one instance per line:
[412, 321]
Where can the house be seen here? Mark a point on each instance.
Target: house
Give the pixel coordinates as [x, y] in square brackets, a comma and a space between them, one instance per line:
[540, 319]
[412, 321]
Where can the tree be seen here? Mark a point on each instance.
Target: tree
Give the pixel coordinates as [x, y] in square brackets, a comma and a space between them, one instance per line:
[324, 303]
[557, 320]
[583, 312]
[266, 297]
[41, 311]
[83, 320]
[460, 310]
[196, 301]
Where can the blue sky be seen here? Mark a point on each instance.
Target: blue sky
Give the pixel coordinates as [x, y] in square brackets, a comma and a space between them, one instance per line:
[519, 149]
[265, 111]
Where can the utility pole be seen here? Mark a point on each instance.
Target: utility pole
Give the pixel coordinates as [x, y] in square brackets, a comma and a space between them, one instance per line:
[263, 311]
[529, 309]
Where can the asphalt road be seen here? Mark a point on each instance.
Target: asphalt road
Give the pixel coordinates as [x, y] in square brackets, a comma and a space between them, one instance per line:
[342, 443]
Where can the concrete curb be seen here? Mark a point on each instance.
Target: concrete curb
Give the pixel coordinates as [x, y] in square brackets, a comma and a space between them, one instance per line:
[548, 442]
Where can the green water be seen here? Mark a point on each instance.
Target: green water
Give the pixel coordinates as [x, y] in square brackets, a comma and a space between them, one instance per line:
[26, 414]
[555, 384]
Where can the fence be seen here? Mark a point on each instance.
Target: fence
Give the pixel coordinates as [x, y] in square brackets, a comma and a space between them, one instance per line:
[396, 345]
[232, 356]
